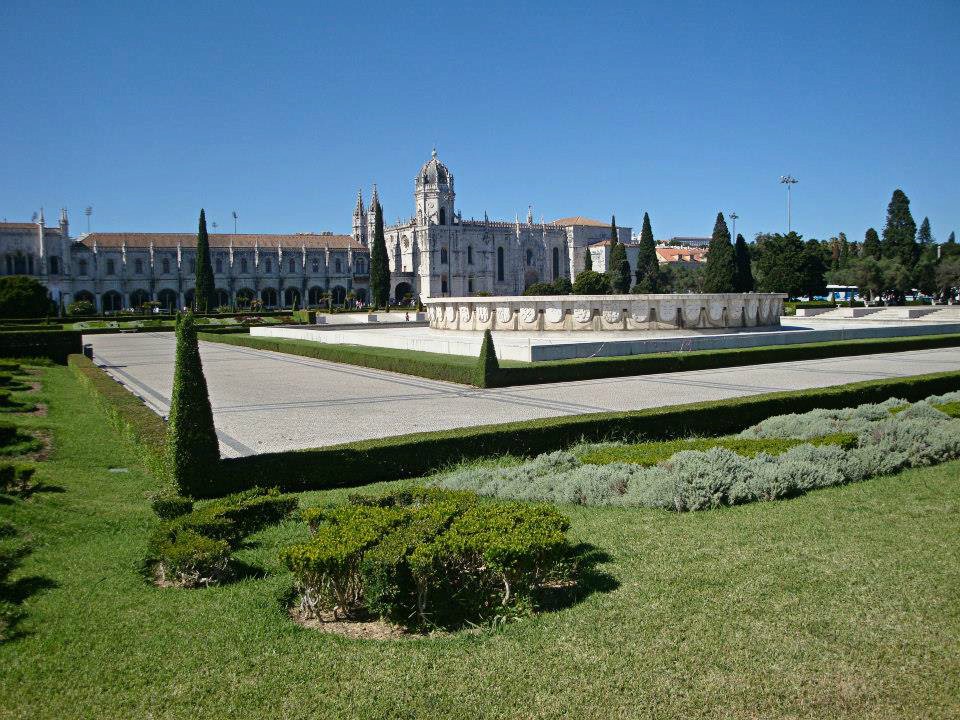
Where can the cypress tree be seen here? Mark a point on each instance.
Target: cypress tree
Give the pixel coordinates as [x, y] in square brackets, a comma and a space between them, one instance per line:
[619, 270]
[952, 238]
[871, 245]
[844, 260]
[721, 265]
[648, 266]
[587, 260]
[193, 451]
[924, 234]
[205, 291]
[900, 232]
[744, 281]
[379, 262]
[488, 367]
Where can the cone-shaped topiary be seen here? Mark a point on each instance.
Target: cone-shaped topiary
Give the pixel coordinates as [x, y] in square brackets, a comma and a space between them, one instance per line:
[489, 367]
[205, 293]
[721, 266]
[379, 261]
[193, 452]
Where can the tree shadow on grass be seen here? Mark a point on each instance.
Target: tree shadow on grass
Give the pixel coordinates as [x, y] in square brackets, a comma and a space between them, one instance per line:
[240, 570]
[588, 580]
[12, 596]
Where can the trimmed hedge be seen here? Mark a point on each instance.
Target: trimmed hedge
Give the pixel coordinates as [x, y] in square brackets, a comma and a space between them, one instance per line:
[436, 366]
[419, 454]
[428, 558]
[136, 421]
[53, 344]
[594, 368]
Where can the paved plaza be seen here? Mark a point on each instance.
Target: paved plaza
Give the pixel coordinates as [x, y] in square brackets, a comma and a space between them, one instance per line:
[264, 401]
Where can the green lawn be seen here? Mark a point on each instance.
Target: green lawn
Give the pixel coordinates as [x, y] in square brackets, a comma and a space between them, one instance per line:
[844, 603]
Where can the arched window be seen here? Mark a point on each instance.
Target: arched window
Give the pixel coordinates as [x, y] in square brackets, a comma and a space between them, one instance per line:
[83, 267]
[243, 265]
[293, 265]
[361, 266]
[315, 265]
[529, 258]
[219, 266]
[499, 264]
[111, 267]
[469, 254]
[54, 265]
[268, 267]
[138, 267]
[443, 256]
[337, 266]
[443, 283]
[166, 266]
[556, 263]
[470, 284]
[443, 216]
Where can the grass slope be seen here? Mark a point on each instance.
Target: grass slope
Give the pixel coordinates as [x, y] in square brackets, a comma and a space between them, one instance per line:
[840, 604]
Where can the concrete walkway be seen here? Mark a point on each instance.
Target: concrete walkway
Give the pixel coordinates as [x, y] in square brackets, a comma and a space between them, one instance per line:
[264, 401]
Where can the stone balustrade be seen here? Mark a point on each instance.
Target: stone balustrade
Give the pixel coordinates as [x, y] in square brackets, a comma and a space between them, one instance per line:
[606, 312]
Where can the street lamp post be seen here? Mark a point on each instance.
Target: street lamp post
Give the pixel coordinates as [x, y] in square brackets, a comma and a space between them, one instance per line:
[788, 180]
[733, 218]
[88, 211]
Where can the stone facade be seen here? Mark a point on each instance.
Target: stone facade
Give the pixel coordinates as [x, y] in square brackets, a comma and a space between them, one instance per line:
[606, 312]
[436, 253]
[124, 270]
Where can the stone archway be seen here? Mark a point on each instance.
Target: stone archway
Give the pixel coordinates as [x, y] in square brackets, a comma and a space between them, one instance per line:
[269, 297]
[167, 299]
[338, 294]
[245, 296]
[315, 296]
[291, 297]
[138, 298]
[112, 301]
[401, 291]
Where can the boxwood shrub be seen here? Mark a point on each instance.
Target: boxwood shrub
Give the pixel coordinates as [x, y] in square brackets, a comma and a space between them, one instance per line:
[54, 344]
[436, 559]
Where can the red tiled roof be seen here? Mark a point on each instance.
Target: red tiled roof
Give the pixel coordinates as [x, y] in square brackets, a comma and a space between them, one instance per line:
[668, 254]
[580, 220]
[221, 240]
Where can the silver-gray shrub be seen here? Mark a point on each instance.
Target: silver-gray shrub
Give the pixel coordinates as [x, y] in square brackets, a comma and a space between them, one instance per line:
[698, 480]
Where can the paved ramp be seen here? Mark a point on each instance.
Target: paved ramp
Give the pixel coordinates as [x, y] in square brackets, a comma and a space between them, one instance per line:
[264, 401]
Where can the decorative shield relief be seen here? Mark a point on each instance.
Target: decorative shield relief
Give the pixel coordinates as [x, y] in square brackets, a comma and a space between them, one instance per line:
[612, 316]
[691, 312]
[483, 313]
[667, 312]
[715, 311]
[528, 314]
[764, 309]
[640, 311]
[582, 314]
[464, 313]
[554, 314]
[504, 314]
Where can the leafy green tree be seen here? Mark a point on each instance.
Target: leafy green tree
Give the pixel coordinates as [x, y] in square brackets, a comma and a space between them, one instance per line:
[948, 276]
[587, 259]
[562, 286]
[744, 278]
[871, 245]
[648, 274]
[619, 270]
[205, 291]
[488, 368]
[683, 278]
[813, 270]
[590, 282]
[379, 262]
[780, 262]
[844, 258]
[24, 297]
[900, 233]
[192, 448]
[721, 265]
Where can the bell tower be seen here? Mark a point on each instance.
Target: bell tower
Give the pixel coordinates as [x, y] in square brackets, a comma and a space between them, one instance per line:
[434, 195]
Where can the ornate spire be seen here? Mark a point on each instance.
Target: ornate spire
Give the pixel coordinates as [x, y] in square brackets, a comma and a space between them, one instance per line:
[529, 214]
[375, 198]
[359, 209]
[40, 221]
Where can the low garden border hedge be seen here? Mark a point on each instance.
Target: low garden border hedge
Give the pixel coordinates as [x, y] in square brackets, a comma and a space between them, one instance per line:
[54, 344]
[466, 370]
[405, 456]
[130, 415]
[450, 368]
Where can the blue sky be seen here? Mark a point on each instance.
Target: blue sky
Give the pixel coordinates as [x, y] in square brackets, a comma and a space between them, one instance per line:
[282, 111]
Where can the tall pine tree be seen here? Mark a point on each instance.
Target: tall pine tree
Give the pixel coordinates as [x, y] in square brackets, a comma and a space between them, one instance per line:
[871, 245]
[648, 266]
[587, 259]
[205, 291]
[900, 232]
[619, 270]
[379, 262]
[744, 279]
[721, 266]
[924, 234]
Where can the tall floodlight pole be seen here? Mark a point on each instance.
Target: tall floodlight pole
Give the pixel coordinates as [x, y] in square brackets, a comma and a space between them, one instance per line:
[88, 211]
[733, 218]
[234, 213]
[788, 180]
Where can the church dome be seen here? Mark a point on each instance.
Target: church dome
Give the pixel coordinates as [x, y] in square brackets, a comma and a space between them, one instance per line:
[434, 172]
